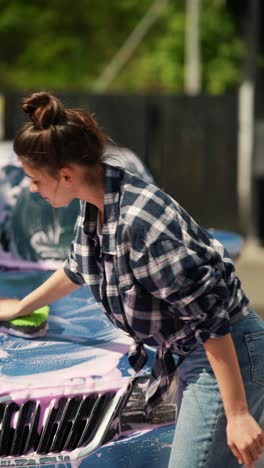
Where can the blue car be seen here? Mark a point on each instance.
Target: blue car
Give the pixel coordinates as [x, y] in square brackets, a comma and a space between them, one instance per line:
[69, 398]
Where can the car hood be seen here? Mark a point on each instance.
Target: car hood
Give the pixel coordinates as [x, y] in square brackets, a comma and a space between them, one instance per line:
[81, 353]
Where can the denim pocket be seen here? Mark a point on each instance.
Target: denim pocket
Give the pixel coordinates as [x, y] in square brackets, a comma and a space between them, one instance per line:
[255, 345]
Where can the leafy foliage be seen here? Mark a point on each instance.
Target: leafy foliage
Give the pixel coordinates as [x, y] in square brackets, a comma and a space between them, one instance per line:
[66, 45]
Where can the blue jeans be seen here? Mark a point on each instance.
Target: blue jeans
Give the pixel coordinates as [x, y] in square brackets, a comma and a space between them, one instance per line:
[200, 435]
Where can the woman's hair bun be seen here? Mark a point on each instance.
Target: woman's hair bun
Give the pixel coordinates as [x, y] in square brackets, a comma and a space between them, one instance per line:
[44, 110]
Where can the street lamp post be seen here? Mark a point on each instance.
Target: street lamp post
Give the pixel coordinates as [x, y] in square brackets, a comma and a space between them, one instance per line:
[192, 48]
[246, 131]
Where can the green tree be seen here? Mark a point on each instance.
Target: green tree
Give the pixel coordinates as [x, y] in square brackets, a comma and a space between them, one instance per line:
[160, 60]
[66, 45]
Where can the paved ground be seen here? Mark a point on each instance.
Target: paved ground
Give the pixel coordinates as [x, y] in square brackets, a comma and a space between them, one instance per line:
[250, 269]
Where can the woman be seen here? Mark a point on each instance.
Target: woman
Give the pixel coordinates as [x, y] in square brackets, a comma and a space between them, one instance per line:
[160, 277]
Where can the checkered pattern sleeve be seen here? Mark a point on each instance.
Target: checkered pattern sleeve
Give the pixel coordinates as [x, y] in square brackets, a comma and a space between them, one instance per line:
[179, 275]
[71, 268]
[71, 264]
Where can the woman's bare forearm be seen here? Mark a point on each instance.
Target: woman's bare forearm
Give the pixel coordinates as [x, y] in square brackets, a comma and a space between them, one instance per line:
[57, 286]
[222, 356]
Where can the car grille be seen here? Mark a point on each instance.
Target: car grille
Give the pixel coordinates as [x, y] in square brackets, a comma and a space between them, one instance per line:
[64, 423]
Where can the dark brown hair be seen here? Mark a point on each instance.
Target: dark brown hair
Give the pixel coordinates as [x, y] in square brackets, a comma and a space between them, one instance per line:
[57, 136]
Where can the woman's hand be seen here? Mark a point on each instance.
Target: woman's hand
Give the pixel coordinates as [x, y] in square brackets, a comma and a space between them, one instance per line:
[245, 438]
[8, 308]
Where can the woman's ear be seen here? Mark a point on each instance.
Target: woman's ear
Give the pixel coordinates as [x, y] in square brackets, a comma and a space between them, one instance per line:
[67, 174]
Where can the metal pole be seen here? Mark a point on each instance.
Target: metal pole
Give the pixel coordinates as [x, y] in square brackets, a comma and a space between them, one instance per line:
[127, 49]
[246, 131]
[2, 116]
[192, 48]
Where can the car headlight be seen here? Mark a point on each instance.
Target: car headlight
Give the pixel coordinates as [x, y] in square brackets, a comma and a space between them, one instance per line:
[133, 417]
[130, 415]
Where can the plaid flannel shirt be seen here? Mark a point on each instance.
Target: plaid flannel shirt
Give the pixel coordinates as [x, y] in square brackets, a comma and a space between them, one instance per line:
[171, 284]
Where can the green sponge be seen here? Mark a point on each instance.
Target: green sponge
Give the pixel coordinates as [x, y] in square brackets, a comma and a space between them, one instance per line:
[30, 326]
[33, 320]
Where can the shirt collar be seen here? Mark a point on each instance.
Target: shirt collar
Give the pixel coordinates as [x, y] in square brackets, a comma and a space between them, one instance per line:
[113, 181]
